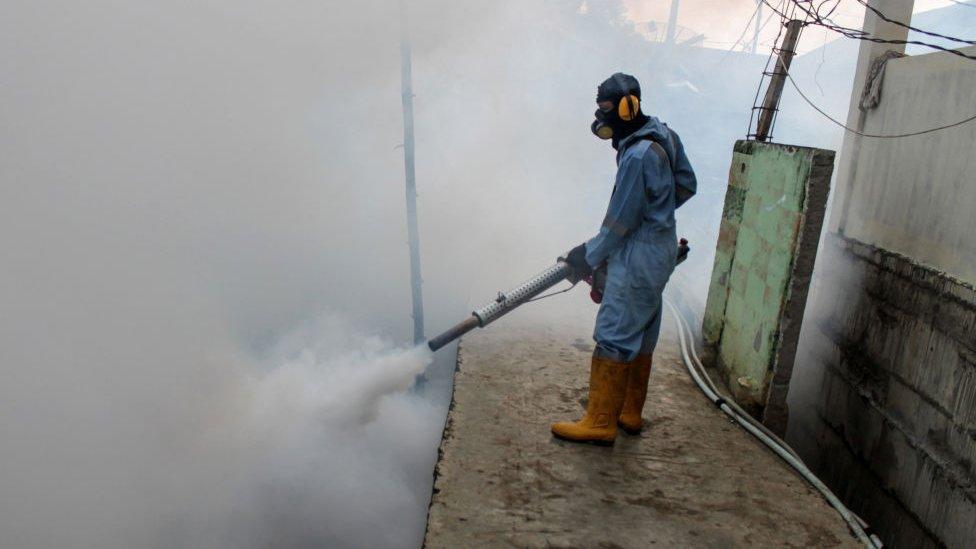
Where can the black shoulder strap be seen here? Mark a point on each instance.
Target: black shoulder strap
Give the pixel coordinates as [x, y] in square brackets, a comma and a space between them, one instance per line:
[663, 154]
[658, 148]
[661, 151]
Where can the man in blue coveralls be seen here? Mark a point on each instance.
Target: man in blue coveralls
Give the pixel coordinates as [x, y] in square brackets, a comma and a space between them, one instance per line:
[638, 245]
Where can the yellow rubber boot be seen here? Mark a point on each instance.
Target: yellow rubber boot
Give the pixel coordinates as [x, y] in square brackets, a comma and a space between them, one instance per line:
[608, 381]
[635, 395]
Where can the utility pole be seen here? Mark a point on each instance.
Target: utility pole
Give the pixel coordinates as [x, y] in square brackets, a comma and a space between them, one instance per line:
[755, 34]
[406, 79]
[672, 23]
[775, 90]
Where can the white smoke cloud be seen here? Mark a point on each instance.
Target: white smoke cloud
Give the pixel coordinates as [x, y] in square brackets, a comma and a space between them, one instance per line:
[324, 449]
[179, 191]
[185, 188]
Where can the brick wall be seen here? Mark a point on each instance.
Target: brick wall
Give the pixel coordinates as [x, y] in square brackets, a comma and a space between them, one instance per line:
[883, 398]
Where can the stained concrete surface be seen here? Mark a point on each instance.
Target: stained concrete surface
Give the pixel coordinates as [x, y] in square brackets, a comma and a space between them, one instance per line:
[691, 479]
[884, 399]
[764, 257]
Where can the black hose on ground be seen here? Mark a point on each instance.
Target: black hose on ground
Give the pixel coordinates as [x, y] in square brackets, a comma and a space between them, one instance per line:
[697, 371]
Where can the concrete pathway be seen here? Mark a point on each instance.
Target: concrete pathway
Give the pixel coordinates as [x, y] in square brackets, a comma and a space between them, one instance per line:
[691, 479]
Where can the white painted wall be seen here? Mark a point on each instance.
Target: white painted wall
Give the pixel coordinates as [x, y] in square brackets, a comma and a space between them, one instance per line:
[917, 195]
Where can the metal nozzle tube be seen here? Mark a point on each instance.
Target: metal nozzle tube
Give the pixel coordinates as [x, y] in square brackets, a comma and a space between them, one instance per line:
[504, 303]
[507, 302]
[455, 332]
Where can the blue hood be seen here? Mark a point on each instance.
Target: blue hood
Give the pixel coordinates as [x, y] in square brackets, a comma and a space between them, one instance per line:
[654, 129]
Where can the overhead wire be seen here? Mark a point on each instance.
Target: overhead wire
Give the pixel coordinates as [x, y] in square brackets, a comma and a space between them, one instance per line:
[832, 10]
[766, 22]
[762, 27]
[745, 29]
[811, 18]
[814, 18]
[884, 17]
[864, 134]
[823, 59]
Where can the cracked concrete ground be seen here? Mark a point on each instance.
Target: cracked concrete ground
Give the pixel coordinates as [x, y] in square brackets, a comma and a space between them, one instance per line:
[691, 479]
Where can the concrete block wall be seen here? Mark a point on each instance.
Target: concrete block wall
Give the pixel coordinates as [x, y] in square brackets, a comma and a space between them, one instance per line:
[915, 195]
[767, 245]
[884, 396]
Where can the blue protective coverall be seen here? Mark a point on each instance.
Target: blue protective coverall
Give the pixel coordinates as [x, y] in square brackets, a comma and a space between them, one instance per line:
[638, 240]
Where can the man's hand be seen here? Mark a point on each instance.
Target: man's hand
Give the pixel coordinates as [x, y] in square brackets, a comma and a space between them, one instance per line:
[576, 259]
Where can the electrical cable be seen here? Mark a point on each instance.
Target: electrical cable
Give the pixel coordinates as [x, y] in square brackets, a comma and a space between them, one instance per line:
[863, 134]
[746, 28]
[766, 22]
[813, 18]
[884, 17]
[747, 422]
[832, 10]
[823, 59]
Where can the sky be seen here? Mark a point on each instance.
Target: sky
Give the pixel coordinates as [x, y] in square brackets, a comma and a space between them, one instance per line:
[722, 21]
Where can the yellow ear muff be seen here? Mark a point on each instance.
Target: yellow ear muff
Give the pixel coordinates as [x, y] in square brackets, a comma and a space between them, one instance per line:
[628, 108]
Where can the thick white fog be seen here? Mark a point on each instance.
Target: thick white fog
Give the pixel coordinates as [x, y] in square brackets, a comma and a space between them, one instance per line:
[205, 277]
[205, 286]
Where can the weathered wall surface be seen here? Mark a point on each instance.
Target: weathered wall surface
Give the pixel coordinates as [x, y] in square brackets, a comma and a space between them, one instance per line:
[767, 245]
[916, 195]
[884, 394]
[883, 399]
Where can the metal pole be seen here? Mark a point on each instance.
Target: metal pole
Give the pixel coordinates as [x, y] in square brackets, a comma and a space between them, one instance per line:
[775, 90]
[672, 23]
[413, 236]
[755, 34]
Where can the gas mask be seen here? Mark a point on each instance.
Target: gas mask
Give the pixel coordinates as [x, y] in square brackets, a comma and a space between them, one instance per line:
[614, 121]
[601, 127]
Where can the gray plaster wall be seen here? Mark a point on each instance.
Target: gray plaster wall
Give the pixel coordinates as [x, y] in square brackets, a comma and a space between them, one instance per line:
[883, 397]
[917, 195]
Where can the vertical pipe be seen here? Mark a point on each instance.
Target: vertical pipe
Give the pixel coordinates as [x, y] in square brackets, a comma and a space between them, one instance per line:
[672, 22]
[775, 90]
[413, 236]
[755, 34]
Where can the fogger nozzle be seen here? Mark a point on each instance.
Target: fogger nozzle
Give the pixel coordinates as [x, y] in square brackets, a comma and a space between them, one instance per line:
[523, 293]
[504, 303]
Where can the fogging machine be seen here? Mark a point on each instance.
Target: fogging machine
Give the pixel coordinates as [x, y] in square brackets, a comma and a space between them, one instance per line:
[527, 291]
